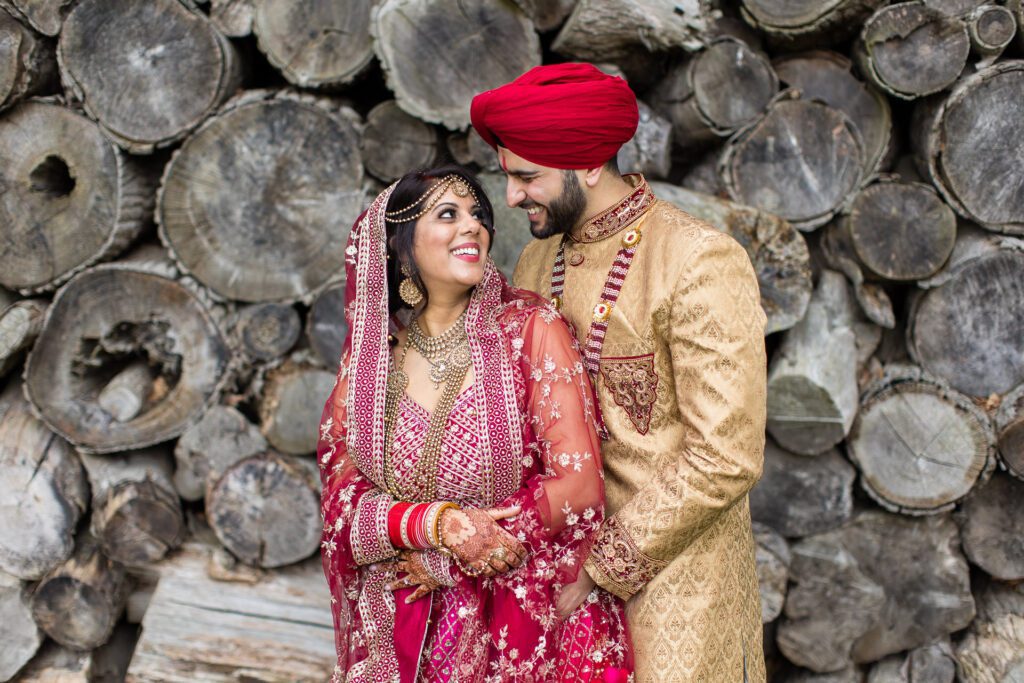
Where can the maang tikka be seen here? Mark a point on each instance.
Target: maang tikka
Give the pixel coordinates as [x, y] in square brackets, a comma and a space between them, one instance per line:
[408, 290]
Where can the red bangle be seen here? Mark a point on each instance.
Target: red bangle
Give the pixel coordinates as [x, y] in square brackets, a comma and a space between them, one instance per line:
[395, 514]
[414, 530]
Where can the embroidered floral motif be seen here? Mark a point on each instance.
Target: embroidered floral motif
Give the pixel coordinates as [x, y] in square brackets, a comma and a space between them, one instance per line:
[617, 564]
[633, 384]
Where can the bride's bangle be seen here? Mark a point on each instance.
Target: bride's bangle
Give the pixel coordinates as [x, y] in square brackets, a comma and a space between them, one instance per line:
[433, 523]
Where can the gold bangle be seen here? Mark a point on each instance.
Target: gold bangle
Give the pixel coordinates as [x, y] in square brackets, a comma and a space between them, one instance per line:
[438, 536]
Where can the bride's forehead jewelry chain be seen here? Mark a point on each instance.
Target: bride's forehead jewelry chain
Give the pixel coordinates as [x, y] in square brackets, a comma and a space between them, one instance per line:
[431, 197]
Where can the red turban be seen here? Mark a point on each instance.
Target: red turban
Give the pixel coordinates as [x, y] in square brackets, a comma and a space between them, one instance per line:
[561, 115]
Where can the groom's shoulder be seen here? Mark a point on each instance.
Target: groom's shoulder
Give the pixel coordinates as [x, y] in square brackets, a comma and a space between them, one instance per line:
[535, 263]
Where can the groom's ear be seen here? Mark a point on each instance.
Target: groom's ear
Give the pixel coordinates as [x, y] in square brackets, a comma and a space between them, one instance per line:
[592, 176]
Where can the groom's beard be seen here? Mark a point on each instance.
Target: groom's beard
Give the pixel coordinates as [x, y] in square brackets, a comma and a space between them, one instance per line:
[564, 213]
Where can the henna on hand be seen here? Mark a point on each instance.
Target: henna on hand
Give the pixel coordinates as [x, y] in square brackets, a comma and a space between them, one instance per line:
[416, 574]
[477, 541]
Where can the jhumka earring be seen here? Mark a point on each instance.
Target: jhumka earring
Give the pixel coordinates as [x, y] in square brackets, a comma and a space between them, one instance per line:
[408, 289]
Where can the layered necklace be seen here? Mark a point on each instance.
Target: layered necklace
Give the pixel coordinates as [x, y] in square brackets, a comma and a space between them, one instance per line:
[450, 360]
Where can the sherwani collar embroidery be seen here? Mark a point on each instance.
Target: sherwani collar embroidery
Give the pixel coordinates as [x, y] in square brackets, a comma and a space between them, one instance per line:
[616, 217]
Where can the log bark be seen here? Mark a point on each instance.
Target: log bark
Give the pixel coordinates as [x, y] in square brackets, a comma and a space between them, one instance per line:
[933, 663]
[609, 30]
[800, 496]
[233, 17]
[18, 632]
[881, 584]
[394, 142]
[514, 227]
[716, 92]
[266, 509]
[448, 35]
[990, 28]
[900, 231]
[114, 63]
[701, 174]
[19, 326]
[803, 23]
[839, 254]
[72, 198]
[137, 517]
[955, 8]
[967, 325]
[28, 64]
[45, 16]
[326, 327]
[1009, 421]
[974, 135]
[827, 76]
[291, 405]
[909, 50]
[238, 186]
[219, 440]
[316, 43]
[802, 160]
[773, 560]
[991, 520]
[920, 446]
[778, 252]
[106, 318]
[265, 332]
[79, 603]
[55, 663]
[650, 150]
[991, 648]
[279, 629]
[546, 14]
[43, 493]
[812, 381]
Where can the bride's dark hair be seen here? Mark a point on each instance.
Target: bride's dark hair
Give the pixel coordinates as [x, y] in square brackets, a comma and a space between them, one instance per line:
[412, 188]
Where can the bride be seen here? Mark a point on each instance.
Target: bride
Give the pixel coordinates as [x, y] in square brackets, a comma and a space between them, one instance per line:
[460, 460]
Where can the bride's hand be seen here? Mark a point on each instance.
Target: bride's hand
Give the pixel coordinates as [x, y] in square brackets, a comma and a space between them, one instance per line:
[416, 574]
[478, 543]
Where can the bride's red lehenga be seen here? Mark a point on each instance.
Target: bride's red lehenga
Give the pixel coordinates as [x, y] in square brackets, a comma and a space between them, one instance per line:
[524, 433]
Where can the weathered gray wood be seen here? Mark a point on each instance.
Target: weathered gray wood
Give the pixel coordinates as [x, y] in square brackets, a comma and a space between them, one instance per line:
[812, 379]
[223, 437]
[879, 585]
[967, 327]
[991, 648]
[43, 493]
[71, 199]
[546, 14]
[315, 43]
[910, 50]
[79, 602]
[126, 394]
[512, 226]
[827, 76]
[802, 23]
[849, 674]
[992, 519]
[449, 35]
[290, 406]
[1017, 7]
[777, 251]
[326, 327]
[233, 17]
[201, 629]
[701, 174]
[55, 663]
[802, 160]
[45, 16]
[395, 143]
[266, 509]
[28, 64]
[136, 516]
[920, 446]
[20, 324]
[608, 30]
[18, 631]
[240, 189]
[650, 150]
[955, 8]
[901, 231]
[266, 331]
[1009, 422]
[105, 318]
[990, 28]
[773, 560]
[973, 136]
[838, 253]
[933, 663]
[800, 496]
[716, 92]
[148, 71]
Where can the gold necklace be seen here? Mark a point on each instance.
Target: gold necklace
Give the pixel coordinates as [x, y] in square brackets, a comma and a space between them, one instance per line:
[448, 352]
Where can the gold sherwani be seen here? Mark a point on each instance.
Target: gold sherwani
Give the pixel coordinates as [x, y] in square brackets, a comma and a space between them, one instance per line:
[682, 388]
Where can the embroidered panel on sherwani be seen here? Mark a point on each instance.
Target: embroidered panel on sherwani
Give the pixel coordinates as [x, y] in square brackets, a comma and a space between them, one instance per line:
[681, 386]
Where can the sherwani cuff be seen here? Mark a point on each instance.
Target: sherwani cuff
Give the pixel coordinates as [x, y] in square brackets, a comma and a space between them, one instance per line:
[617, 564]
[369, 536]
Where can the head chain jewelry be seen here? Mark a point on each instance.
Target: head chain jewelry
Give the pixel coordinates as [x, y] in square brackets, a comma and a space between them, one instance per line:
[458, 185]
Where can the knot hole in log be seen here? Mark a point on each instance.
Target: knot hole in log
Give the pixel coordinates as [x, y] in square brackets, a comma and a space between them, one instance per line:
[52, 177]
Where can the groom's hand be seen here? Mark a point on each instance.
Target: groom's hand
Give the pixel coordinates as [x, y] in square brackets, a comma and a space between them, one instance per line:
[573, 595]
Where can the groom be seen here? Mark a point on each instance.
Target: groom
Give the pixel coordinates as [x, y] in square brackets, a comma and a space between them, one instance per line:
[668, 313]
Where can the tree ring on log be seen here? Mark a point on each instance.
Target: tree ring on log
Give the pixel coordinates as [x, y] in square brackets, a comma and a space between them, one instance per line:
[992, 518]
[99, 322]
[394, 142]
[27, 63]
[414, 41]
[991, 28]
[71, 197]
[252, 203]
[800, 23]
[138, 522]
[1009, 419]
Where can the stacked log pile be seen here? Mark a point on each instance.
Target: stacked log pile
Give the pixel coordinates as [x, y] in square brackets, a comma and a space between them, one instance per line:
[178, 180]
